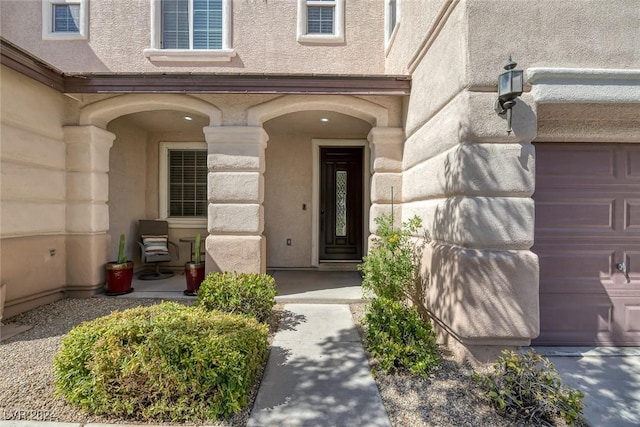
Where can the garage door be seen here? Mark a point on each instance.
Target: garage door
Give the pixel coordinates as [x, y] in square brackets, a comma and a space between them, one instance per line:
[587, 237]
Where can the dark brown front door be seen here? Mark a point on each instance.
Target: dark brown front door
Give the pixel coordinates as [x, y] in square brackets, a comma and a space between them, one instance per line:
[341, 203]
[587, 238]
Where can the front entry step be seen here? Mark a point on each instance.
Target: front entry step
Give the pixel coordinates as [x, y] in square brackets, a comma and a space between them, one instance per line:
[339, 266]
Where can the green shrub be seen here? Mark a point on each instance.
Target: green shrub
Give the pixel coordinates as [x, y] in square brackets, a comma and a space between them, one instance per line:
[392, 267]
[527, 387]
[398, 335]
[240, 293]
[398, 338]
[165, 362]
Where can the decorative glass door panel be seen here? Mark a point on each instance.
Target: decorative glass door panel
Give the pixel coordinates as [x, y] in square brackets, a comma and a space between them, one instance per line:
[341, 203]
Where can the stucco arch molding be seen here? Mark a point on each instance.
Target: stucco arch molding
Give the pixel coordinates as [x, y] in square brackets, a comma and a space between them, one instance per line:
[356, 107]
[102, 112]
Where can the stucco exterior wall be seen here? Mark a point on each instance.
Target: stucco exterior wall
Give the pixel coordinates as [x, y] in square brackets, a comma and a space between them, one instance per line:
[571, 34]
[416, 20]
[471, 184]
[127, 185]
[120, 31]
[32, 193]
[288, 185]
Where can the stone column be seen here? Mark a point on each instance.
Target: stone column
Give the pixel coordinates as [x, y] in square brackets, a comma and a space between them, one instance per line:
[87, 214]
[386, 144]
[236, 162]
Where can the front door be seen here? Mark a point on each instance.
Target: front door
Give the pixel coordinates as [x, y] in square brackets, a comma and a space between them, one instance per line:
[341, 203]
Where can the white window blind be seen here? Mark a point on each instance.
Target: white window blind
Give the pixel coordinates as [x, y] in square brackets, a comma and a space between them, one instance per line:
[66, 18]
[320, 20]
[192, 24]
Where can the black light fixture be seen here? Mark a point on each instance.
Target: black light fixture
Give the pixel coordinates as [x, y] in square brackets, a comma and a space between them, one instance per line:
[510, 85]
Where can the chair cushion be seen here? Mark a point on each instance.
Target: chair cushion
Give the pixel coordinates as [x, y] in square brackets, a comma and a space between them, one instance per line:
[155, 245]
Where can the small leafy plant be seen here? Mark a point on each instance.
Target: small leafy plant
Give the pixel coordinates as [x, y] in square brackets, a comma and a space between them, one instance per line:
[166, 362]
[527, 387]
[398, 338]
[240, 293]
[122, 258]
[398, 335]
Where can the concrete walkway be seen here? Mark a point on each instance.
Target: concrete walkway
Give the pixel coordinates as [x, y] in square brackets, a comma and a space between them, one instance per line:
[317, 373]
[609, 377]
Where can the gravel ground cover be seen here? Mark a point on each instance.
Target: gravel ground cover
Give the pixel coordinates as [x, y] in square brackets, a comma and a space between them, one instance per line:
[449, 397]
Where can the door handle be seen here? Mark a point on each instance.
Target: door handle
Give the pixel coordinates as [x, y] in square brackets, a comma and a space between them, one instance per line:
[622, 267]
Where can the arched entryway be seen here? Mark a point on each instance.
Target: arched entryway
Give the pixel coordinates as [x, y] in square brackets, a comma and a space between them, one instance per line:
[115, 177]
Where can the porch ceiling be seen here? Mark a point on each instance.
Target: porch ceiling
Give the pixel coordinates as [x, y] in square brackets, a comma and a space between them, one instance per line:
[309, 123]
[302, 122]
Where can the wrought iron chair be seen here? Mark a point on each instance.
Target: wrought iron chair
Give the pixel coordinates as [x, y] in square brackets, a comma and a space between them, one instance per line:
[154, 246]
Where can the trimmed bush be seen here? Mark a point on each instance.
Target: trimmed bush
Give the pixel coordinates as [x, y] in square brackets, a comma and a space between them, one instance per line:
[398, 338]
[240, 293]
[165, 362]
[528, 387]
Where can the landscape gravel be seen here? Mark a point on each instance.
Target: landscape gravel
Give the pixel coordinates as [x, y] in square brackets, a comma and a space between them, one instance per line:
[449, 397]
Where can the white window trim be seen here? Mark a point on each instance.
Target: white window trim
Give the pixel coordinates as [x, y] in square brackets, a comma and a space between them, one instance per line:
[163, 179]
[338, 24]
[158, 55]
[390, 36]
[47, 20]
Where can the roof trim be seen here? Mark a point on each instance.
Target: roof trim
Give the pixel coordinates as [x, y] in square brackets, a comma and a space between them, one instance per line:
[24, 62]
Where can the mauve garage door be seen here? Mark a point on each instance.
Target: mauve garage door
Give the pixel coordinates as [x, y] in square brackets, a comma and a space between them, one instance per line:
[587, 221]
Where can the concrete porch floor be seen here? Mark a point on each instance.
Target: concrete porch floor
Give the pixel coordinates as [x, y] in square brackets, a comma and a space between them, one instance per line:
[303, 286]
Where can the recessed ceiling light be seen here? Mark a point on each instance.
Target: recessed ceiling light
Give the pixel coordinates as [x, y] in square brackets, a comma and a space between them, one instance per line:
[324, 119]
[188, 118]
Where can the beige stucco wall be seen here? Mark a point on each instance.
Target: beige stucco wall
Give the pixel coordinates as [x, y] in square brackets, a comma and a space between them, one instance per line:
[288, 185]
[120, 31]
[471, 185]
[32, 192]
[571, 34]
[127, 185]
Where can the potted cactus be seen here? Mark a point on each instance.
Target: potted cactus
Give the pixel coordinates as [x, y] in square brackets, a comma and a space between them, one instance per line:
[194, 270]
[119, 273]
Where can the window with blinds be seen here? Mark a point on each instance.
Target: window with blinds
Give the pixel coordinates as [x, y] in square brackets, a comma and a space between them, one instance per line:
[320, 16]
[192, 24]
[66, 18]
[187, 195]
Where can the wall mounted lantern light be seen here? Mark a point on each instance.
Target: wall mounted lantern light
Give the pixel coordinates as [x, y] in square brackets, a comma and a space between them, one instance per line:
[510, 85]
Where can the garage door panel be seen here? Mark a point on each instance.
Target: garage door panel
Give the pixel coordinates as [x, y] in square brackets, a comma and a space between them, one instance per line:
[633, 163]
[586, 163]
[631, 316]
[594, 214]
[632, 215]
[587, 221]
[567, 267]
[562, 321]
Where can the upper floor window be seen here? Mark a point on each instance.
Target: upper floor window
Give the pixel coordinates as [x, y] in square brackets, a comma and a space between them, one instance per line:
[392, 18]
[190, 31]
[321, 21]
[64, 19]
[191, 24]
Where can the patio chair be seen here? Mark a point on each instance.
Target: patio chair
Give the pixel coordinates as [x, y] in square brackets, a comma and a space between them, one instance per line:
[154, 246]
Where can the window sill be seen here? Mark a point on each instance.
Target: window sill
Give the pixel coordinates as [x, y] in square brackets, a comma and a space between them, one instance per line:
[180, 55]
[186, 222]
[321, 38]
[64, 36]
